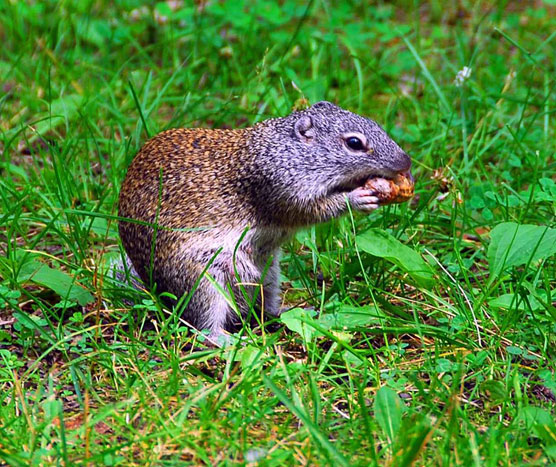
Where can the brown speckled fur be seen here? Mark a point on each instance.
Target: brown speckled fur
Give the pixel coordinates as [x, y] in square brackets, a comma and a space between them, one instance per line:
[204, 189]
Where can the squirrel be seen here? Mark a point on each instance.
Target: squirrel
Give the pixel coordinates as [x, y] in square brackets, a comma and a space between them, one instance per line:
[203, 212]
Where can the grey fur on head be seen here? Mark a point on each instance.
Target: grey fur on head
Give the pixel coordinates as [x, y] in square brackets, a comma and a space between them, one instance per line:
[316, 161]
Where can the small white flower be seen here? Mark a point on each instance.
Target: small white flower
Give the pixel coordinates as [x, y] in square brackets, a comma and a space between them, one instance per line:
[138, 13]
[462, 76]
[175, 5]
[160, 18]
[255, 454]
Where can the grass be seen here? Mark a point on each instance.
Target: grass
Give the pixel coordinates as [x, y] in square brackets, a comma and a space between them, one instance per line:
[460, 371]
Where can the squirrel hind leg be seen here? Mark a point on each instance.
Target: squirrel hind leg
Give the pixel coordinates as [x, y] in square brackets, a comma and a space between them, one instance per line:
[217, 311]
[271, 288]
[210, 307]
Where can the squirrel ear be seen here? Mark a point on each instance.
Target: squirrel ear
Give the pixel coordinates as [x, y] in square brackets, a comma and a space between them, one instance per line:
[304, 130]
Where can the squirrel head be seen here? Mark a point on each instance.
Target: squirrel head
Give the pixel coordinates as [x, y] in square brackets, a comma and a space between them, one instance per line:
[325, 149]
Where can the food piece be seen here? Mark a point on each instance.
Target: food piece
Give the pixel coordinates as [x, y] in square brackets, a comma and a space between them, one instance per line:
[398, 190]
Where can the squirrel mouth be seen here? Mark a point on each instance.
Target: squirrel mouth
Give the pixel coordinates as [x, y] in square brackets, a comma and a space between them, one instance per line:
[345, 186]
[356, 182]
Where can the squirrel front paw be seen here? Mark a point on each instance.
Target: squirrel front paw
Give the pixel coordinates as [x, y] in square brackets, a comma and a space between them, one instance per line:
[363, 199]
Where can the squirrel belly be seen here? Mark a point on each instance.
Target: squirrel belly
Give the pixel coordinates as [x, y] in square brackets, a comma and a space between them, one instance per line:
[228, 272]
[207, 210]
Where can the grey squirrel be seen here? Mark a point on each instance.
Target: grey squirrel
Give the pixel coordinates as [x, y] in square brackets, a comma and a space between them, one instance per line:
[215, 205]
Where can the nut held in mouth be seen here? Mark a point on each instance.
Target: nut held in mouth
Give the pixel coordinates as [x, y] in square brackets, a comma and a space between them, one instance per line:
[398, 190]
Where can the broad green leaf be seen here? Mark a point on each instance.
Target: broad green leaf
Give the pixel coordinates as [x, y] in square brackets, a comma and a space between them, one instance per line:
[348, 317]
[352, 360]
[495, 391]
[60, 282]
[388, 411]
[511, 349]
[295, 321]
[444, 365]
[512, 244]
[28, 321]
[534, 419]
[345, 317]
[248, 355]
[379, 243]
[510, 301]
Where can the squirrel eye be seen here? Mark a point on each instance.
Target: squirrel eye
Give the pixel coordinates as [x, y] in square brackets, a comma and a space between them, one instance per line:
[355, 143]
